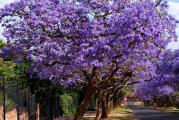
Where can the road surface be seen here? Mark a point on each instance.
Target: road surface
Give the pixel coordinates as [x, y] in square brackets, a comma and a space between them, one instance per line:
[142, 113]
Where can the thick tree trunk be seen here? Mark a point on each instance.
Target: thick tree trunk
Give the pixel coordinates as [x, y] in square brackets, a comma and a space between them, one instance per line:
[104, 109]
[85, 103]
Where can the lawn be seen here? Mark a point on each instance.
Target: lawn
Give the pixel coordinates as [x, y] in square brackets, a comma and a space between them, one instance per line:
[122, 110]
[171, 110]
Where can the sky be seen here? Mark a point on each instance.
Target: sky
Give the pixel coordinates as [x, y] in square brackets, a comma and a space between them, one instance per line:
[4, 2]
[173, 9]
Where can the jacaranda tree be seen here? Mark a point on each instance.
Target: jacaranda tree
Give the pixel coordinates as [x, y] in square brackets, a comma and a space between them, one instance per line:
[97, 44]
[166, 81]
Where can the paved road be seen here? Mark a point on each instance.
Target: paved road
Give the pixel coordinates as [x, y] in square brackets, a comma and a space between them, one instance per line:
[142, 113]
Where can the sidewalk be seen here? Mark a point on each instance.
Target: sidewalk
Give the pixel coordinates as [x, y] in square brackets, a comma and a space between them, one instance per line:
[112, 116]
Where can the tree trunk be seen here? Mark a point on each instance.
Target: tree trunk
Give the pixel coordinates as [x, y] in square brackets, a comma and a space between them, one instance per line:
[104, 109]
[85, 103]
[37, 111]
[99, 106]
[110, 105]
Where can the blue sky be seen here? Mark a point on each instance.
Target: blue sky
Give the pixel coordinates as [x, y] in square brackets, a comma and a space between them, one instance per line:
[174, 0]
[173, 9]
[4, 2]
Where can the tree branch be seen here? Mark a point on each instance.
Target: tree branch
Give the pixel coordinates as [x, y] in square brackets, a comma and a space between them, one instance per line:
[158, 3]
[56, 62]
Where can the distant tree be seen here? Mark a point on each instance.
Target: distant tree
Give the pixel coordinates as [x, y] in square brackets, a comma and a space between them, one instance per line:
[167, 80]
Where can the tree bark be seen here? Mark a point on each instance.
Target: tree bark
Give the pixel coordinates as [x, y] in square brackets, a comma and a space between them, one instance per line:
[99, 106]
[85, 103]
[110, 105]
[37, 111]
[104, 109]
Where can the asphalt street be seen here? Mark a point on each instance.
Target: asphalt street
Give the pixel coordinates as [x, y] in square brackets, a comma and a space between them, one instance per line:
[142, 113]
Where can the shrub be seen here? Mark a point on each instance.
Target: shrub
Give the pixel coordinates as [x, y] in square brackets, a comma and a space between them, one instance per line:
[69, 103]
[9, 103]
[177, 105]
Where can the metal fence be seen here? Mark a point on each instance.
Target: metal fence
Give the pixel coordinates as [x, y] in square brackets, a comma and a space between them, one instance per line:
[49, 110]
[20, 99]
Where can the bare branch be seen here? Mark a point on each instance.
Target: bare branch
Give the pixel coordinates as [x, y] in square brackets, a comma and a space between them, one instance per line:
[158, 3]
[136, 82]
[56, 63]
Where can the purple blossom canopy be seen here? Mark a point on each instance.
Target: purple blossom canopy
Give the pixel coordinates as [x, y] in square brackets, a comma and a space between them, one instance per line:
[167, 80]
[63, 39]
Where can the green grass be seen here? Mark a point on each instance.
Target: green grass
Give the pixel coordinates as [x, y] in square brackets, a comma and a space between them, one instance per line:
[171, 110]
[122, 110]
